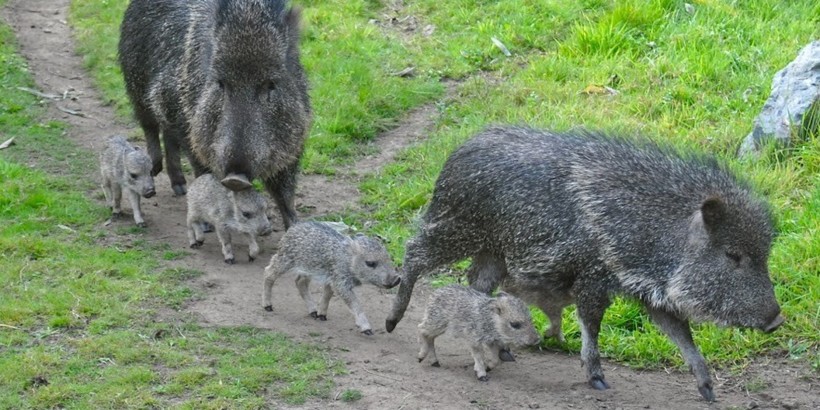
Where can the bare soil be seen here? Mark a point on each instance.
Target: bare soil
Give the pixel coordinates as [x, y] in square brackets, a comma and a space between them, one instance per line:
[383, 367]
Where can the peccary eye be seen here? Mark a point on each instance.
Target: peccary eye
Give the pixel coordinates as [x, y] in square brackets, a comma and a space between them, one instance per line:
[515, 325]
[221, 84]
[134, 176]
[735, 257]
[270, 87]
[247, 215]
[371, 264]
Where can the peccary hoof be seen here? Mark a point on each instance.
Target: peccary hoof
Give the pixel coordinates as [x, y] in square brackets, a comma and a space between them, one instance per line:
[314, 315]
[116, 215]
[197, 244]
[505, 356]
[707, 392]
[484, 378]
[269, 308]
[368, 332]
[421, 360]
[251, 258]
[230, 261]
[390, 324]
[236, 182]
[323, 318]
[436, 364]
[179, 189]
[598, 383]
[142, 225]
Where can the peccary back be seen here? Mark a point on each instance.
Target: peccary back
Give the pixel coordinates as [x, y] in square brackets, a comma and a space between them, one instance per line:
[222, 80]
[583, 217]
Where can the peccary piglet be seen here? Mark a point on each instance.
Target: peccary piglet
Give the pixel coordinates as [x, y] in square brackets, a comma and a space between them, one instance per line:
[125, 168]
[316, 251]
[579, 217]
[229, 212]
[222, 81]
[490, 325]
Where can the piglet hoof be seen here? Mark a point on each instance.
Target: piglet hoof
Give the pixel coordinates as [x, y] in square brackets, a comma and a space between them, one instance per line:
[197, 244]
[421, 360]
[505, 356]
[436, 364]
[484, 378]
[230, 261]
[598, 383]
[322, 317]
[251, 259]
[314, 314]
[269, 308]
[368, 332]
[179, 189]
[116, 215]
[707, 392]
[142, 224]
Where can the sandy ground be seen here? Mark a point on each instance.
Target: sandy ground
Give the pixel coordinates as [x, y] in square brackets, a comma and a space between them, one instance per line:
[383, 367]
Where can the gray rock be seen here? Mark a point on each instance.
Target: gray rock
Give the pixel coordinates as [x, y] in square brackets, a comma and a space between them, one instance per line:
[794, 89]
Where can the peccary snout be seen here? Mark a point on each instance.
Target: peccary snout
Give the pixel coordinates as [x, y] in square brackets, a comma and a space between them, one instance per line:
[395, 283]
[774, 324]
[149, 192]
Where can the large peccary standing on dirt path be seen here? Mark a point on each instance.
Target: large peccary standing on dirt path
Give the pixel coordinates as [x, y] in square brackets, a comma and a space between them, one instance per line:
[220, 80]
[587, 217]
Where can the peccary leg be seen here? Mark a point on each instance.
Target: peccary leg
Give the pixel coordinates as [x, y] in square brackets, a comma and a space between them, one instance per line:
[679, 332]
[427, 340]
[352, 302]
[151, 130]
[486, 272]
[172, 137]
[253, 248]
[590, 313]
[420, 257]
[276, 268]
[109, 195]
[195, 235]
[478, 356]
[553, 312]
[492, 351]
[224, 235]
[303, 285]
[116, 201]
[327, 293]
[281, 188]
[134, 199]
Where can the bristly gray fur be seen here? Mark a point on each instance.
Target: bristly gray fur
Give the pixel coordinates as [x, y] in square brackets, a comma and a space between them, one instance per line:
[581, 217]
[315, 251]
[222, 81]
[487, 324]
[125, 168]
[229, 212]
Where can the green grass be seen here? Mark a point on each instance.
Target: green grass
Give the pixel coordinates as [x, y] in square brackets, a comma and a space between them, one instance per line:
[694, 80]
[79, 320]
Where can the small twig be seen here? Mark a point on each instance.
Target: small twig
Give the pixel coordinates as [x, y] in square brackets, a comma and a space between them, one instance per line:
[405, 399]
[9, 326]
[72, 112]
[381, 375]
[180, 332]
[39, 93]
[9, 142]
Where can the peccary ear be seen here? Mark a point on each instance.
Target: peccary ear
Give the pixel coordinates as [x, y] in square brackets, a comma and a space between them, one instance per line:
[293, 25]
[713, 211]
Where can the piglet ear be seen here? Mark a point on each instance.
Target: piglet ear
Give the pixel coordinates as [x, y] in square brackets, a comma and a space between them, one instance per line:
[502, 294]
[713, 211]
[293, 24]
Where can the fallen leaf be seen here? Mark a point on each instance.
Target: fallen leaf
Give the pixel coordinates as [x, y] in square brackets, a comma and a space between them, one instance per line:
[9, 142]
[501, 46]
[594, 89]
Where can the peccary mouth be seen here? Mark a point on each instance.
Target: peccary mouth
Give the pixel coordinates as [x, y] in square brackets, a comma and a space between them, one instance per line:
[236, 182]
[149, 194]
[774, 324]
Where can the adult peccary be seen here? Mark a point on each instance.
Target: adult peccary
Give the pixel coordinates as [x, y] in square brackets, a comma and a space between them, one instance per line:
[219, 79]
[228, 211]
[125, 168]
[489, 324]
[316, 251]
[587, 217]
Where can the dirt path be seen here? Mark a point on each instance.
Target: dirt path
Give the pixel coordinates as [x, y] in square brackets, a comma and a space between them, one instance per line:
[383, 367]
